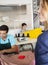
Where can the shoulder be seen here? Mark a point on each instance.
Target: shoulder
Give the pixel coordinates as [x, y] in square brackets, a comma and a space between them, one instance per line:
[43, 37]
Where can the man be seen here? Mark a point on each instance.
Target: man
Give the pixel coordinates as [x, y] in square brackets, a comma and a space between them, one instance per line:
[7, 42]
[23, 27]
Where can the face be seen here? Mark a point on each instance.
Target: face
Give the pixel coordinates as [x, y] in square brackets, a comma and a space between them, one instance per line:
[3, 34]
[24, 27]
[43, 13]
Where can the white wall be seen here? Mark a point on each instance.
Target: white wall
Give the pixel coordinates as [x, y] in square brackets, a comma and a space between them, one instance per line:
[4, 2]
[28, 18]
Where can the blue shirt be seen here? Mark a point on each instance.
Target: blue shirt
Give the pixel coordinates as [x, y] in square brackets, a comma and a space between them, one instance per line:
[41, 50]
[11, 39]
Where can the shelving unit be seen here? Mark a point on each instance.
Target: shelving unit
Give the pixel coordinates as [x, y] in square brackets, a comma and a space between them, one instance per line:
[35, 13]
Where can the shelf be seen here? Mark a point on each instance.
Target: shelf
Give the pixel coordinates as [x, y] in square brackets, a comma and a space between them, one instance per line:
[35, 13]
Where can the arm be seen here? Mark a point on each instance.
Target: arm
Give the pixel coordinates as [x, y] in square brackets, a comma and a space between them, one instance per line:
[13, 49]
[41, 53]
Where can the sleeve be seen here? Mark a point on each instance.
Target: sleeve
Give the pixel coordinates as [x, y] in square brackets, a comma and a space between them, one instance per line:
[41, 53]
[12, 40]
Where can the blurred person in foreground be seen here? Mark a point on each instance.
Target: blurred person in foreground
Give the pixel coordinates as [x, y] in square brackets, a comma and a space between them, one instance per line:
[41, 50]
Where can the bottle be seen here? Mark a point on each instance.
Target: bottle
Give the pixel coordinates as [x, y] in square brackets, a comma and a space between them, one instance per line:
[18, 34]
[27, 34]
[23, 35]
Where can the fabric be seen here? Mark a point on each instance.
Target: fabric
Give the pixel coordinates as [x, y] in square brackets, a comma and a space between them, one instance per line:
[14, 60]
[11, 38]
[41, 50]
[5, 46]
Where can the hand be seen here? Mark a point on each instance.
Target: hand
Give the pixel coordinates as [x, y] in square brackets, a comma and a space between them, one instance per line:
[3, 51]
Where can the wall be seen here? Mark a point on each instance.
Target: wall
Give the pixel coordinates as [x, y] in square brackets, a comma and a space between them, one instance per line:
[27, 18]
[20, 2]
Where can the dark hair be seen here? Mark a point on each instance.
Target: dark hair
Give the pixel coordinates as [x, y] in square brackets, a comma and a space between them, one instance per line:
[24, 24]
[4, 28]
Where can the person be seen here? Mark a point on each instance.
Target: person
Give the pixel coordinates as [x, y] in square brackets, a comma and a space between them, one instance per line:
[21, 34]
[23, 27]
[7, 42]
[41, 49]
[22, 30]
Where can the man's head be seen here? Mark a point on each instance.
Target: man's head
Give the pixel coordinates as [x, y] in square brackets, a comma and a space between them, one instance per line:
[3, 31]
[24, 26]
